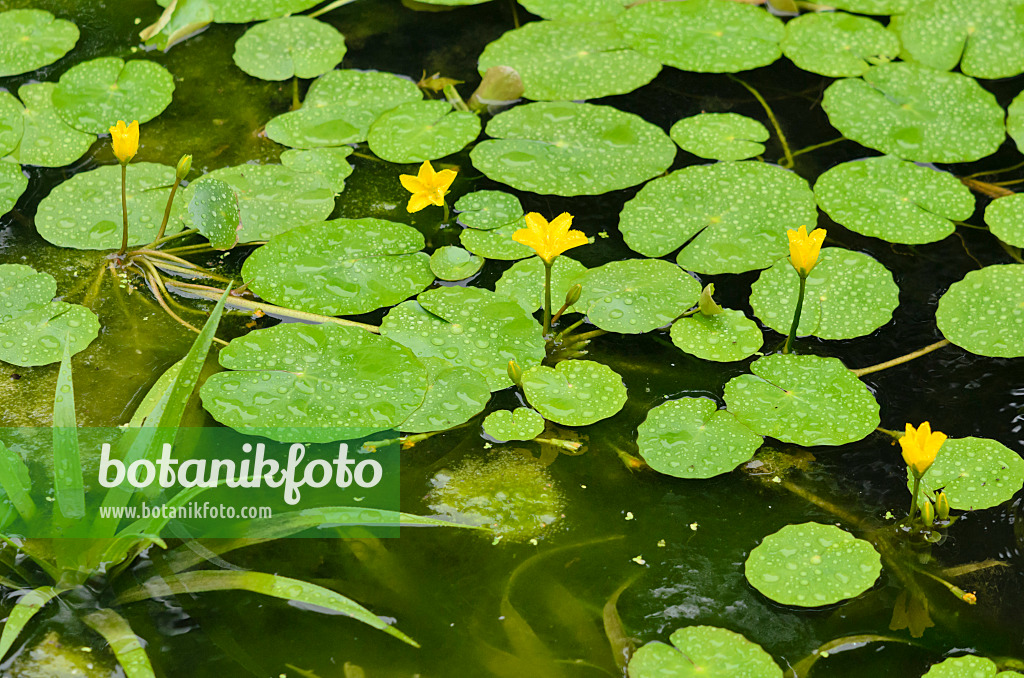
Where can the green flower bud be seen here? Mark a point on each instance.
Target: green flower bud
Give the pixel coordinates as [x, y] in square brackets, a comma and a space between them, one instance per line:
[708, 306]
[515, 372]
[942, 506]
[500, 86]
[574, 294]
[928, 513]
[184, 165]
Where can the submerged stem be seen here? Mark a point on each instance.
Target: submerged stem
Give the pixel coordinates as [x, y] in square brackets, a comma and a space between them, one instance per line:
[902, 359]
[771, 117]
[796, 316]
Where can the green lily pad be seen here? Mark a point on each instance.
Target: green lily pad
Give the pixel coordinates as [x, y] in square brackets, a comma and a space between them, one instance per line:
[330, 163]
[454, 396]
[986, 37]
[703, 651]
[917, 113]
[692, 438]
[1005, 218]
[968, 666]
[84, 212]
[422, 130]
[1015, 121]
[720, 136]
[214, 210]
[707, 36]
[292, 46]
[496, 243]
[12, 123]
[849, 295]
[974, 473]
[448, 3]
[561, 61]
[524, 282]
[13, 183]
[724, 337]
[272, 199]
[811, 565]
[803, 399]
[468, 327]
[574, 392]
[521, 423]
[454, 263]
[572, 149]
[34, 329]
[729, 217]
[244, 11]
[92, 96]
[894, 200]
[375, 91]
[636, 295]
[838, 45]
[487, 210]
[576, 10]
[879, 7]
[342, 267]
[47, 140]
[984, 312]
[31, 39]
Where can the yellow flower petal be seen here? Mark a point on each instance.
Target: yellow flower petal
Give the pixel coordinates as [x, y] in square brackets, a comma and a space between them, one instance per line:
[549, 240]
[427, 186]
[125, 140]
[920, 447]
[804, 249]
[417, 202]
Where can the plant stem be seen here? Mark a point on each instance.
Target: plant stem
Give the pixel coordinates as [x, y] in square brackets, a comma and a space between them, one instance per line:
[796, 316]
[154, 287]
[771, 117]
[992, 172]
[167, 211]
[327, 8]
[814, 147]
[902, 359]
[568, 329]
[547, 298]
[576, 340]
[954, 589]
[174, 236]
[296, 104]
[559, 312]
[986, 188]
[913, 500]
[124, 209]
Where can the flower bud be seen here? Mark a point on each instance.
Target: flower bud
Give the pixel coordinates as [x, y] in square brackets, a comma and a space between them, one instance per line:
[500, 86]
[515, 373]
[969, 598]
[574, 294]
[942, 506]
[709, 306]
[184, 166]
[928, 513]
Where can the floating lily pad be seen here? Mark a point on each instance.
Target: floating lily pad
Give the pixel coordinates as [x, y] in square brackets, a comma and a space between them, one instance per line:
[974, 473]
[576, 10]
[34, 329]
[244, 11]
[422, 130]
[917, 113]
[572, 149]
[692, 438]
[84, 212]
[272, 199]
[12, 123]
[214, 210]
[838, 45]
[454, 396]
[1005, 218]
[968, 666]
[849, 295]
[561, 61]
[724, 337]
[984, 312]
[47, 140]
[31, 39]
[496, 243]
[707, 36]
[292, 46]
[986, 37]
[882, 7]
[636, 295]
[703, 651]
[330, 163]
[524, 282]
[469, 327]
[312, 376]
[720, 136]
[374, 91]
[730, 217]
[486, 210]
[92, 96]
[810, 565]
[13, 183]
[894, 200]
[454, 263]
[341, 267]
[803, 399]
[574, 392]
[1015, 121]
[521, 423]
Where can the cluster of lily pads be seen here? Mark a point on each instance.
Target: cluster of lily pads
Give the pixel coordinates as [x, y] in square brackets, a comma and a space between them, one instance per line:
[443, 345]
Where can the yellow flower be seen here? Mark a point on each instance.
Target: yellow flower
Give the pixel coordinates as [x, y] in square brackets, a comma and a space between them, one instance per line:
[970, 598]
[428, 187]
[125, 140]
[804, 249]
[920, 447]
[549, 239]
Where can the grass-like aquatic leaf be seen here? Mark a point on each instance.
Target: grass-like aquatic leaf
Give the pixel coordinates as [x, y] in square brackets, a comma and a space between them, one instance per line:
[26, 608]
[123, 642]
[14, 479]
[67, 460]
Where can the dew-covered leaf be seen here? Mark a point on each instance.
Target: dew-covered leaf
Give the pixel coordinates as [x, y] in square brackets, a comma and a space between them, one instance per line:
[576, 10]
[838, 45]
[31, 39]
[894, 200]
[811, 565]
[496, 243]
[984, 312]
[561, 61]
[213, 209]
[312, 376]
[92, 96]
[968, 666]
[692, 438]
[486, 210]
[720, 136]
[703, 651]
[84, 212]
[569, 149]
[974, 473]
[636, 295]
[917, 113]
[22, 289]
[422, 130]
[724, 337]
[524, 282]
[244, 11]
[454, 396]
[47, 140]
[574, 392]
[330, 163]
[1015, 121]
[1005, 218]
[454, 263]
[13, 183]
[521, 423]
[341, 267]
[882, 7]
[803, 399]
[12, 123]
[730, 216]
[292, 46]
[468, 327]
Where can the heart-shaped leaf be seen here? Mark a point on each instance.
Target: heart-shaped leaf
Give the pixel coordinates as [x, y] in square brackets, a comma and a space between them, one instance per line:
[574, 392]
[292, 46]
[521, 423]
[93, 95]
